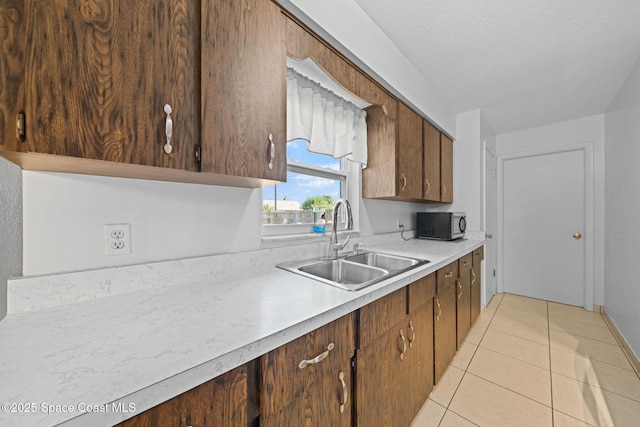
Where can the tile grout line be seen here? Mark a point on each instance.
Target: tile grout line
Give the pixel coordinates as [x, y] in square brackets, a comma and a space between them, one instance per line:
[598, 387]
[465, 370]
[454, 412]
[509, 390]
[553, 418]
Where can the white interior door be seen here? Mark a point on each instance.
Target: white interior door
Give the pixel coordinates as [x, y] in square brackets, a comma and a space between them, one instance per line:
[543, 206]
[491, 208]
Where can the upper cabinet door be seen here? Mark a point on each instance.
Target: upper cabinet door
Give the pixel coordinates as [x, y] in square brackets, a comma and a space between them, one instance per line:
[431, 163]
[244, 89]
[99, 73]
[409, 154]
[446, 169]
[12, 47]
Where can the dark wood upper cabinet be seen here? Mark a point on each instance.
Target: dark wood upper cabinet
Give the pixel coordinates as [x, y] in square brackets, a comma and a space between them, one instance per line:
[446, 169]
[12, 48]
[394, 170]
[409, 154]
[98, 75]
[244, 89]
[431, 162]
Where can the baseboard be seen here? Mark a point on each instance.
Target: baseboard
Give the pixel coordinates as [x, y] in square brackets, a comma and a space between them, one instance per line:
[635, 362]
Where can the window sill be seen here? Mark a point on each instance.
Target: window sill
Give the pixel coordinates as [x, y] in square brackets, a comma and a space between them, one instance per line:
[301, 239]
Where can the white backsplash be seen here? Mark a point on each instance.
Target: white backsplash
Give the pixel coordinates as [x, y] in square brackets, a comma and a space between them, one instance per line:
[39, 292]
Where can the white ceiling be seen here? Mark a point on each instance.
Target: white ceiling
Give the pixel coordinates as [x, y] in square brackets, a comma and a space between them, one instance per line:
[524, 63]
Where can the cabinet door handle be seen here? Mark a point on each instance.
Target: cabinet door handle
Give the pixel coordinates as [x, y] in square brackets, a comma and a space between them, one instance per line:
[459, 287]
[439, 309]
[444, 190]
[448, 275]
[473, 277]
[426, 182]
[403, 349]
[413, 334]
[272, 151]
[345, 395]
[404, 182]
[168, 129]
[319, 358]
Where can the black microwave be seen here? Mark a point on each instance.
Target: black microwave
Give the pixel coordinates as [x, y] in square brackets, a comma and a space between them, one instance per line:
[441, 225]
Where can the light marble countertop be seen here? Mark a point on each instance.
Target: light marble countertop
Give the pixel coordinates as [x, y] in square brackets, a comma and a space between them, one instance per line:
[146, 346]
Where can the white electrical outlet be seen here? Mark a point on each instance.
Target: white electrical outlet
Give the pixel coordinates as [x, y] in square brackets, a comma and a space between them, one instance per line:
[117, 239]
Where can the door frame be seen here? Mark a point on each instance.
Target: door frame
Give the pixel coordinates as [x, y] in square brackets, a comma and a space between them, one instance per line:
[491, 262]
[589, 227]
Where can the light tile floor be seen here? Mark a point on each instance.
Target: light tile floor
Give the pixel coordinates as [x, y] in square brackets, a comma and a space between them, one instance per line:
[529, 362]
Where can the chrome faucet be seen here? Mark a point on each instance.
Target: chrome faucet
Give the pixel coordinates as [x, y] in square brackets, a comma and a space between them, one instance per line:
[334, 246]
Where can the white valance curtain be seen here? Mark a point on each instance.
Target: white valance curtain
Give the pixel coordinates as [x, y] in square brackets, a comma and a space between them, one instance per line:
[331, 124]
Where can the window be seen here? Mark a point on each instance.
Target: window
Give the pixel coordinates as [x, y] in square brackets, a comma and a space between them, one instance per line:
[314, 183]
[324, 118]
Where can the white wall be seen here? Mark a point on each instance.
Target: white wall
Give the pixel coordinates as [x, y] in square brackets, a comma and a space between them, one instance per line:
[64, 216]
[584, 130]
[622, 245]
[10, 227]
[468, 169]
[347, 23]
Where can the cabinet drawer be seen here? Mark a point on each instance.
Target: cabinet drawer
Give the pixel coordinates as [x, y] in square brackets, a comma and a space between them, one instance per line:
[421, 292]
[464, 264]
[478, 255]
[376, 318]
[446, 276]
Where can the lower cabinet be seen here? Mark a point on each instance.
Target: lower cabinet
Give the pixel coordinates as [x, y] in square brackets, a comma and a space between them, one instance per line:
[381, 366]
[223, 401]
[463, 298]
[394, 358]
[476, 283]
[373, 367]
[308, 381]
[420, 295]
[444, 319]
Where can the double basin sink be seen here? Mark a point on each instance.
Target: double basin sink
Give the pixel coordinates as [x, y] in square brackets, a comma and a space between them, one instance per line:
[355, 271]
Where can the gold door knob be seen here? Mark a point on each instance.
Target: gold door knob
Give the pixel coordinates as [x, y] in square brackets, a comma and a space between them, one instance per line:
[577, 236]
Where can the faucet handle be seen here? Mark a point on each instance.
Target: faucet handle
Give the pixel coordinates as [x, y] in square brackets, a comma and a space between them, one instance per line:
[342, 245]
[357, 246]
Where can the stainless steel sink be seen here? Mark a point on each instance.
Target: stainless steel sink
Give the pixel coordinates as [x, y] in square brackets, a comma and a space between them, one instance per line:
[385, 261]
[343, 272]
[355, 271]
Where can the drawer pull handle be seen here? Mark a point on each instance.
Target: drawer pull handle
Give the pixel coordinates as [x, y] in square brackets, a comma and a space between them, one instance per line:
[459, 287]
[439, 309]
[413, 334]
[404, 345]
[319, 358]
[473, 277]
[345, 395]
[272, 151]
[168, 129]
[404, 182]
